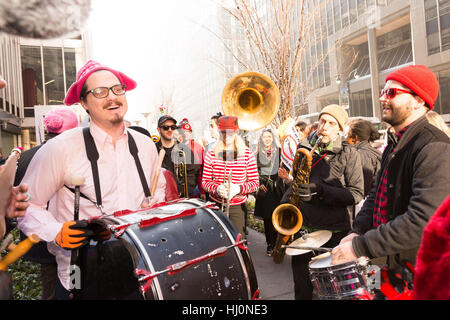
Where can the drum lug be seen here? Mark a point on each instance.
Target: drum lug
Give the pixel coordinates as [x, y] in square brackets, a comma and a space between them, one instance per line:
[335, 284]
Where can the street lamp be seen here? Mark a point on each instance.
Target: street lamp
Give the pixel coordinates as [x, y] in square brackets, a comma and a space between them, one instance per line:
[344, 91]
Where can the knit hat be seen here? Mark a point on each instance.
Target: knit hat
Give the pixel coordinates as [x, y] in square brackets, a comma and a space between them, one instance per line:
[60, 119]
[73, 95]
[419, 79]
[336, 112]
[186, 126]
[228, 123]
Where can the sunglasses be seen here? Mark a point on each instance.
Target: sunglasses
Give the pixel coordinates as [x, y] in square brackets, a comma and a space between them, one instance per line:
[102, 92]
[165, 128]
[392, 92]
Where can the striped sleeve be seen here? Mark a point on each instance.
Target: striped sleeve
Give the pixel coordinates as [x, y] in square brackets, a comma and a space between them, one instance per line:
[208, 183]
[252, 183]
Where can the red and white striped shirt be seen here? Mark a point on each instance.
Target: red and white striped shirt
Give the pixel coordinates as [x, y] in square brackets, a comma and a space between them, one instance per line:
[244, 172]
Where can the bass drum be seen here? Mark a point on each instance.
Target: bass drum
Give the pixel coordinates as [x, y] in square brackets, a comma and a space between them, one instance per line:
[109, 268]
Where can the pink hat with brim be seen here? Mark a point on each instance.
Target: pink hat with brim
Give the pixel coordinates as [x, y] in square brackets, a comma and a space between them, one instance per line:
[73, 95]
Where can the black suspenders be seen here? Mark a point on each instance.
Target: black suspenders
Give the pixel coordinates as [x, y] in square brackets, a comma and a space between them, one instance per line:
[92, 154]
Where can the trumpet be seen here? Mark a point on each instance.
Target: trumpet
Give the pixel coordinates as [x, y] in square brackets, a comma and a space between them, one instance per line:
[287, 218]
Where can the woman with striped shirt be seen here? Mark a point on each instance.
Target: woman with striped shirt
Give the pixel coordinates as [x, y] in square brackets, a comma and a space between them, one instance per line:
[230, 156]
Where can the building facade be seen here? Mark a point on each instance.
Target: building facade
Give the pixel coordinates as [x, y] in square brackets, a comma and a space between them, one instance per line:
[38, 73]
[367, 40]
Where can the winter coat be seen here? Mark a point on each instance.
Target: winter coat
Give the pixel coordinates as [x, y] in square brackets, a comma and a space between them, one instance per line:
[418, 180]
[370, 161]
[340, 176]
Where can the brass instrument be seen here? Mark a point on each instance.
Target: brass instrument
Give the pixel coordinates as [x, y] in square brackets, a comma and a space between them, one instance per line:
[180, 170]
[287, 218]
[253, 98]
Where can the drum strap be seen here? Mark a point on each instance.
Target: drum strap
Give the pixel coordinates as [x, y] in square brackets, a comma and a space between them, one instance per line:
[92, 154]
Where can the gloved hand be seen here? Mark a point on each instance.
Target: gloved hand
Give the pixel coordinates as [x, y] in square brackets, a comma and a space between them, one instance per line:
[306, 191]
[222, 191]
[234, 190]
[74, 234]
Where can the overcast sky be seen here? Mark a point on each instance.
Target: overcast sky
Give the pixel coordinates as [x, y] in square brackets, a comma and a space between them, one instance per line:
[151, 41]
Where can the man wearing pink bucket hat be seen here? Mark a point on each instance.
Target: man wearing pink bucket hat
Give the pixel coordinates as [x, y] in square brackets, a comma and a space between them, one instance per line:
[113, 166]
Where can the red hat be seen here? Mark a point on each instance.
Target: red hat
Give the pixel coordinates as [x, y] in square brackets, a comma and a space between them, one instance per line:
[228, 123]
[73, 95]
[186, 126]
[419, 79]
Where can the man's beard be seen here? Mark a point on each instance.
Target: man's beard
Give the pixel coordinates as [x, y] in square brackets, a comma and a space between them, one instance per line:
[398, 114]
[117, 118]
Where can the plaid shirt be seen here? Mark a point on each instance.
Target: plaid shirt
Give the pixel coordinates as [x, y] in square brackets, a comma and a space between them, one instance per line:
[380, 208]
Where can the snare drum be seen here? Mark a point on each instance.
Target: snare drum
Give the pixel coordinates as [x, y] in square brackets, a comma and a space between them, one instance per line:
[341, 281]
[182, 257]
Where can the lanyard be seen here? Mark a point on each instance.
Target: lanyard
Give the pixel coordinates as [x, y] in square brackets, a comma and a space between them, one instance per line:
[319, 159]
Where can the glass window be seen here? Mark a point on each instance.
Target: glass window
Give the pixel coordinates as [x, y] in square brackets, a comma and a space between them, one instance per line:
[361, 7]
[430, 9]
[445, 31]
[32, 76]
[442, 104]
[70, 66]
[345, 21]
[353, 11]
[54, 76]
[330, 18]
[337, 15]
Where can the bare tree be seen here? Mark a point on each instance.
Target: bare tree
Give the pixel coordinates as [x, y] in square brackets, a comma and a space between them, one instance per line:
[286, 40]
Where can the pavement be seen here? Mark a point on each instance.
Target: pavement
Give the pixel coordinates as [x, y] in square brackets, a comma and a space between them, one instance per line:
[275, 281]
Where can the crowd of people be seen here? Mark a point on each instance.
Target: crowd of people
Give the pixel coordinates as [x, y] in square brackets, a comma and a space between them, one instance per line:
[375, 205]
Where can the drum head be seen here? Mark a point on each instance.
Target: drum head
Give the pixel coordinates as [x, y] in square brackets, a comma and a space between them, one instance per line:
[321, 263]
[314, 239]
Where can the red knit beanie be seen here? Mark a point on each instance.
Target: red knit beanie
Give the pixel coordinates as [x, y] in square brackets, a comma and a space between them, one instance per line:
[228, 123]
[419, 79]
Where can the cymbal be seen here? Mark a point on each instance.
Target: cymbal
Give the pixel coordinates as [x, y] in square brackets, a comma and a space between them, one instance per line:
[314, 239]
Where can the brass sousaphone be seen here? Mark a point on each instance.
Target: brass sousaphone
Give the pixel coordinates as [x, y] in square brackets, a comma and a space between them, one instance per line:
[253, 98]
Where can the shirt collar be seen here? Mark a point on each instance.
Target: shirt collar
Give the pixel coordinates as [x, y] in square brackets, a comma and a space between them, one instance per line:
[101, 136]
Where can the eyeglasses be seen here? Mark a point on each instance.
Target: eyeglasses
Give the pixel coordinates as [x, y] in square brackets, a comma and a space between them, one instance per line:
[102, 92]
[165, 128]
[392, 92]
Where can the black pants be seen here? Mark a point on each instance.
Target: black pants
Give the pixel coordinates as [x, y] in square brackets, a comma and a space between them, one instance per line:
[270, 232]
[61, 293]
[302, 282]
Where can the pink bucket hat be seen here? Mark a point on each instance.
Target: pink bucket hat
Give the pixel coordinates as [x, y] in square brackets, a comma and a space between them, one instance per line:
[60, 119]
[73, 95]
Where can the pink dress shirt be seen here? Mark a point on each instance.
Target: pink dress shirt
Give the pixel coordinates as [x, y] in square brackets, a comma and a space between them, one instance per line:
[64, 156]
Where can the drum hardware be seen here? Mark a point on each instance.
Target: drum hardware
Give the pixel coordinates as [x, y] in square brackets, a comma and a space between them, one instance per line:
[341, 281]
[179, 266]
[118, 230]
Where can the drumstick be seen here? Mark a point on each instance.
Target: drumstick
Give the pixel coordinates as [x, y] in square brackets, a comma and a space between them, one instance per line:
[308, 248]
[321, 256]
[162, 153]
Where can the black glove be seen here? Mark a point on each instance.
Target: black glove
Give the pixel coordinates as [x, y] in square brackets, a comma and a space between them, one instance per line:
[306, 191]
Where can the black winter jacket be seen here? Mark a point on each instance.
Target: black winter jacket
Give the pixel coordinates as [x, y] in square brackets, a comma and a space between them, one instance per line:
[370, 161]
[341, 178]
[418, 181]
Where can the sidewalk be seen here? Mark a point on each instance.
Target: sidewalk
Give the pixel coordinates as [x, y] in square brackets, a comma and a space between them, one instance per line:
[274, 280]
